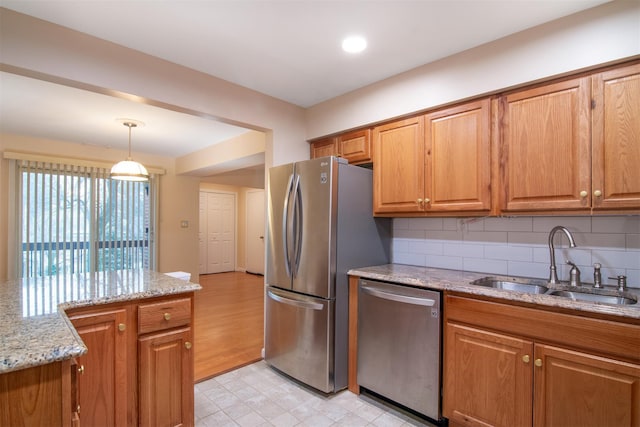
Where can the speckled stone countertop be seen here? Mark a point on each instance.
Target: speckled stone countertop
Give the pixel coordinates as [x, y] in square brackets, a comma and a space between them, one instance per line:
[36, 329]
[460, 281]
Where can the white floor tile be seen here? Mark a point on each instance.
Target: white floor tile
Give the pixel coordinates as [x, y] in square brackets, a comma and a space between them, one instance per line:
[256, 396]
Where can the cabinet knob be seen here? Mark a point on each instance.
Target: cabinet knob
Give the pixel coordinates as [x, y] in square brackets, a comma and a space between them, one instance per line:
[583, 194]
[419, 201]
[81, 369]
[597, 193]
[526, 358]
[187, 345]
[427, 200]
[167, 316]
[122, 327]
[78, 409]
[538, 362]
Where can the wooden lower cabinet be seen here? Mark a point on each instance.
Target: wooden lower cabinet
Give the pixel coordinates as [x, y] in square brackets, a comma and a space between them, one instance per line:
[486, 381]
[515, 366]
[577, 389]
[39, 396]
[138, 369]
[103, 386]
[166, 379]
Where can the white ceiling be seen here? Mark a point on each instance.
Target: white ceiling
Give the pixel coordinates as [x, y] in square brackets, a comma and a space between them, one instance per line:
[284, 48]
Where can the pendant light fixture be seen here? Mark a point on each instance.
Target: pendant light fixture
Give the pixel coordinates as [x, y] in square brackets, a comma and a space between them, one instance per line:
[128, 170]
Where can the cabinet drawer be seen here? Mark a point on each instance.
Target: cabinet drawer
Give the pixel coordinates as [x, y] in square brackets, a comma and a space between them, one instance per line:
[163, 315]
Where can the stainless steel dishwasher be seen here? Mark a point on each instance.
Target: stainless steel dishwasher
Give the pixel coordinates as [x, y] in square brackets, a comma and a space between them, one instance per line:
[399, 331]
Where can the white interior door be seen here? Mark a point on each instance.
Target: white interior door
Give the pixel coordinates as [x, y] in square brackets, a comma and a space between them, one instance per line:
[255, 232]
[202, 234]
[219, 222]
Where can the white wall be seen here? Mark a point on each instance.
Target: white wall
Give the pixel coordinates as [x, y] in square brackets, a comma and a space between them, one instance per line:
[599, 35]
[519, 246]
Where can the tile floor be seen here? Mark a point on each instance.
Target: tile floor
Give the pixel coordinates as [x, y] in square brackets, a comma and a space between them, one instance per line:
[256, 395]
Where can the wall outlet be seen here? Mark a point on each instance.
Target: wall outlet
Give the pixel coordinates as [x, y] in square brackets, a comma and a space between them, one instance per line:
[184, 224]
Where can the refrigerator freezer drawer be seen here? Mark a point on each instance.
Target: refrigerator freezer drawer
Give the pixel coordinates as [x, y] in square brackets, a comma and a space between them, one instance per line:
[299, 337]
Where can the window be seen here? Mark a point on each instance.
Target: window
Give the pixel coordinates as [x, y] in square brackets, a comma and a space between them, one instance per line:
[75, 219]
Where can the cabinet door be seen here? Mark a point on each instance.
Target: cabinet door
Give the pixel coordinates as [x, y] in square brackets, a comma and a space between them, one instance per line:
[398, 172]
[324, 147]
[577, 389]
[102, 384]
[458, 158]
[37, 396]
[616, 138]
[487, 378]
[545, 145]
[355, 146]
[166, 379]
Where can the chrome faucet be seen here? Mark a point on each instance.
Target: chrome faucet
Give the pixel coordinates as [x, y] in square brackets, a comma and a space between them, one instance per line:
[553, 274]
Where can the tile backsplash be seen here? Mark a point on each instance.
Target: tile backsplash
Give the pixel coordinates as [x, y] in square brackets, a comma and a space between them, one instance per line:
[519, 245]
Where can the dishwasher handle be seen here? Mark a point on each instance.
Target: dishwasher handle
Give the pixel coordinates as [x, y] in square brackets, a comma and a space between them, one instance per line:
[391, 296]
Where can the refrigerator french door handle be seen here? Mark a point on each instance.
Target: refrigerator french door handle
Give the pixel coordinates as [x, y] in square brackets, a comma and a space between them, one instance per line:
[285, 225]
[295, 303]
[299, 218]
[398, 297]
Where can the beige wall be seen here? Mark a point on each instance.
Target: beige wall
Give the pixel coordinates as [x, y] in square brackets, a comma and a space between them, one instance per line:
[42, 50]
[599, 35]
[38, 48]
[178, 199]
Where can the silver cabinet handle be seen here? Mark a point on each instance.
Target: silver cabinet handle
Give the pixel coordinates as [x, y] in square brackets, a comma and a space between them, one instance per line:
[427, 302]
[295, 303]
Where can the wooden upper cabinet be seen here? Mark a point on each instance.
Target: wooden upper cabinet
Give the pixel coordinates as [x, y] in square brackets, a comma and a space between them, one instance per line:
[616, 138]
[324, 147]
[458, 158]
[355, 146]
[545, 148]
[398, 172]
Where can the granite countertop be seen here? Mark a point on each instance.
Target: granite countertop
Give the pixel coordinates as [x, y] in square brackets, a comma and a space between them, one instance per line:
[36, 328]
[460, 281]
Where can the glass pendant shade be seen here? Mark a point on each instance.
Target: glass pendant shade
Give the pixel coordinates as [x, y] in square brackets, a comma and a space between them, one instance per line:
[128, 170]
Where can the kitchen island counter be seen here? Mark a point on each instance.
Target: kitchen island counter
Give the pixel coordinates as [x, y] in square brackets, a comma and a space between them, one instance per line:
[36, 329]
[460, 281]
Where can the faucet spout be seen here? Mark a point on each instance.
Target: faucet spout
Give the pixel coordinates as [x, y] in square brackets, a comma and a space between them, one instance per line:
[553, 274]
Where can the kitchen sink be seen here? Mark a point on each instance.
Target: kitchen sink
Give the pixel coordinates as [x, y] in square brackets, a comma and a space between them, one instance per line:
[518, 284]
[593, 297]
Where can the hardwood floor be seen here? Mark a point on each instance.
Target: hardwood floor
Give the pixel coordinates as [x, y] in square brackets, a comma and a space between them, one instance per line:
[229, 322]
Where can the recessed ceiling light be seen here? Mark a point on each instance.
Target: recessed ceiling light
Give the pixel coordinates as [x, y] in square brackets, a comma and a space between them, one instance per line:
[354, 44]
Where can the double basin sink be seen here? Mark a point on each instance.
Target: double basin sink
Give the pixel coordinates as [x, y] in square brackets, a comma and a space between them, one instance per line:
[537, 286]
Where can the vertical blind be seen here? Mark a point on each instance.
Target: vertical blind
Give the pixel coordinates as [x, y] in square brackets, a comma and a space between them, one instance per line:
[76, 219]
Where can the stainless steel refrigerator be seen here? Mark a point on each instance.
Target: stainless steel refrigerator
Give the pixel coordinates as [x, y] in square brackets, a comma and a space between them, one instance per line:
[320, 225]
